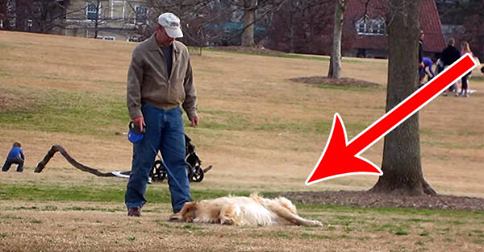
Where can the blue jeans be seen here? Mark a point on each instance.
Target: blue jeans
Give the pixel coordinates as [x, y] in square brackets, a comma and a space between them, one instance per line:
[19, 161]
[164, 132]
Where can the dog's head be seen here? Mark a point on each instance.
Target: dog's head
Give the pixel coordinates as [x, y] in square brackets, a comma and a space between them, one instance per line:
[189, 211]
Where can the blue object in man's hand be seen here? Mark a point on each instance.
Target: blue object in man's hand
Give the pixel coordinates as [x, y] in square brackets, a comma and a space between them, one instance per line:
[134, 136]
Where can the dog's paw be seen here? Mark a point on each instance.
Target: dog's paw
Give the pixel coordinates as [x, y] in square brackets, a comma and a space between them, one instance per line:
[315, 223]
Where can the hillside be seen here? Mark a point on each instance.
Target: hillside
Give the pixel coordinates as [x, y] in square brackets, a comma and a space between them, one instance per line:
[259, 129]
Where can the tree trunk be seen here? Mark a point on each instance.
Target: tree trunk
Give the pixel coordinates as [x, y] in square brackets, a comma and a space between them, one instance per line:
[96, 24]
[44, 12]
[11, 14]
[335, 60]
[250, 6]
[291, 33]
[401, 166]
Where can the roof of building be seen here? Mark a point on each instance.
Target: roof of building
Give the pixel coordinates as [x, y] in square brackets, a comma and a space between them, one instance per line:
[429, 22]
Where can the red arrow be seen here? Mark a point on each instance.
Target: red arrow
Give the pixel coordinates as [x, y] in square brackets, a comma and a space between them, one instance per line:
[341, 158]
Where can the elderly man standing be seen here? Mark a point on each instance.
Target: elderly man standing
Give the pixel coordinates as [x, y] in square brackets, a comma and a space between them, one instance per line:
[159, 83]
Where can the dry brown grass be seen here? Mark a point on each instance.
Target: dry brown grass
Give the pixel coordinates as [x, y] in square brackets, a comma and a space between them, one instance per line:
[87, 226]
[253, 89]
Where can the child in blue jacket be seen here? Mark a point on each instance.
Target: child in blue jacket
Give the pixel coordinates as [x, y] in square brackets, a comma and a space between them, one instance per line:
[15, 156]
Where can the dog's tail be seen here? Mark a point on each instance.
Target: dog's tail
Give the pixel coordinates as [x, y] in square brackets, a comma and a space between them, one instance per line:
[284, 202]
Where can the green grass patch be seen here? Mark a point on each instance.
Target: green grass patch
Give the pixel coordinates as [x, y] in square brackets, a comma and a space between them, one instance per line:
[62, 193]
[224, 120]
[35, 221]
[4, 73]
[159, 193]
[314, 126]
[4, 46]
[282, 234]
[393, 228]
[478, 232]
[341, 220]
[154, 194]
[191, 226]
[101, 209]
[70, 112]
[49, 208]
[314, 236]
[411, 213]
[229, 120]
[401, 231]
[279, 54]
[478, 241]
[458, 222]
[10, 217]
[89, 113]
[424, 233]
[419, 220]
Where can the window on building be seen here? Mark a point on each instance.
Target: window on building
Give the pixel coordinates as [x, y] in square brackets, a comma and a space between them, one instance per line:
[91, 11]
[370, 26]
[141, 14]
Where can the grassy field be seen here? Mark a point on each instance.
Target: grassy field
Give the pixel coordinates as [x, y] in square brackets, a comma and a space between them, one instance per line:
[260, 130]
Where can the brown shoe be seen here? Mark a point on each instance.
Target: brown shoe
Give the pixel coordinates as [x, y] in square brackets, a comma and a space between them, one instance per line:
[134, 212]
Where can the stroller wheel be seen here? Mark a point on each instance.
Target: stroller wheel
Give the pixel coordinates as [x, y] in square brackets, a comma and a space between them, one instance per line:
[197, 175]
[159, 171]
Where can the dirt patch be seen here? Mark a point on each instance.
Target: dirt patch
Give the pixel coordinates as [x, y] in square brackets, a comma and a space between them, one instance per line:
[341, 82]
[367, 199]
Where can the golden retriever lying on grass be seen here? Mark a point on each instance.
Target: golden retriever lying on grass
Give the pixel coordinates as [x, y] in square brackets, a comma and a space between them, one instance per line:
[253, 210]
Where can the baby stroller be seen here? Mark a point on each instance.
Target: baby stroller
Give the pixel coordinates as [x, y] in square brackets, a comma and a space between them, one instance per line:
[194, 165]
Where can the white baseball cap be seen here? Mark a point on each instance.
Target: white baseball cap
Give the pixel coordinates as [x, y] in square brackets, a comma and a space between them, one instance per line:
[171, 23]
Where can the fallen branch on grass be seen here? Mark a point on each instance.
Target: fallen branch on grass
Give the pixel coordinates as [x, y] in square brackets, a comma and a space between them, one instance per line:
[159, 173]
[57, 148]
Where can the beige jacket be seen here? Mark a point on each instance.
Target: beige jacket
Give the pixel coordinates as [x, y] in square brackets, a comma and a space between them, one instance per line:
[148, 81]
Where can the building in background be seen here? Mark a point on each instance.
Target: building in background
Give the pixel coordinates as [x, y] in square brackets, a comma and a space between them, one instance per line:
[106, 19]
[307, 27]
[365, 28]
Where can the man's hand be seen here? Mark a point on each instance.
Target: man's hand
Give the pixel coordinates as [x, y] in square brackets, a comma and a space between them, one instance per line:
[139, 123]
[194, 121]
